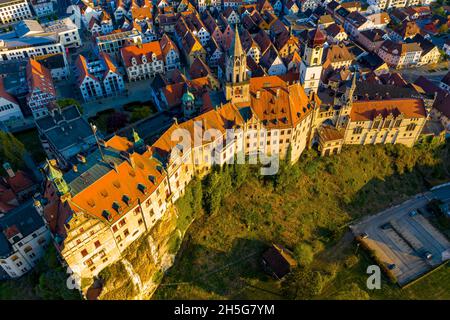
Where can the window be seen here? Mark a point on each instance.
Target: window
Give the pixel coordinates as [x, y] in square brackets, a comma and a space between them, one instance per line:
[114, 228]
[84, 253]
[97, 244]
[357, 130]
[411, 127]
[126, 233]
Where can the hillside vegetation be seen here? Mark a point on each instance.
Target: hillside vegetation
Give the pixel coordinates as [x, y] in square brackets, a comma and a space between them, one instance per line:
[307, 208]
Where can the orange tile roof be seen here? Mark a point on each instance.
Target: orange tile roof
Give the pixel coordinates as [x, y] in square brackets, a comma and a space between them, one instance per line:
[39, 77]
[167, 45]
[278, 104]
[368, 110]
[119, 143]
[117, 185]
[137, 52]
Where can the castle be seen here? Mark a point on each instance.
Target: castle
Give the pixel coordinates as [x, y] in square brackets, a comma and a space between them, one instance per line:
[117, 193]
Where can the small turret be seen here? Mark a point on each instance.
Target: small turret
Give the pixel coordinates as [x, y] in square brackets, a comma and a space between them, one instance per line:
[139, 144]
[188, 103]
[56, 176]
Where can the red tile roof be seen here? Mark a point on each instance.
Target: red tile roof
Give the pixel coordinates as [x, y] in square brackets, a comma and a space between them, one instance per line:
[137, 52]
[368, 110]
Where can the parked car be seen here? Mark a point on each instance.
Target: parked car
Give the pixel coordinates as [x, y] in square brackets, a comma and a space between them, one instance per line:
[427, 255]
[364, 235]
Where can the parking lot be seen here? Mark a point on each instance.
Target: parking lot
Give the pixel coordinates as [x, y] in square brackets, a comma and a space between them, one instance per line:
[404, 240]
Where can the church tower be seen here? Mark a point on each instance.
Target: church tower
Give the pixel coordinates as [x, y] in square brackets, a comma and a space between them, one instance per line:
[347, 103]
[311, 66]
[237, 84]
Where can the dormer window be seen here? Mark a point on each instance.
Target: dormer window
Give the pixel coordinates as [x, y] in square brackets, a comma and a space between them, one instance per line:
[133, 61]
[144, 59]
[154, 57]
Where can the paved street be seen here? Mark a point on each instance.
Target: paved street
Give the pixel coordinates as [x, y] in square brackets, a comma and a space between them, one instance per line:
[401, 239]
[412, 74]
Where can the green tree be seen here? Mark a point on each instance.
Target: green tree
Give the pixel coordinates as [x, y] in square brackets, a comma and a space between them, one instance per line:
[66, 102]
[240, 173]
[302, 283]
[352, 292]
[213, 192]
[304, 254]
[11, 150]
[140, 113]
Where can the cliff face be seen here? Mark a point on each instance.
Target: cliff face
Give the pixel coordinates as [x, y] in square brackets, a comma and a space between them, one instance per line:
[138, 273]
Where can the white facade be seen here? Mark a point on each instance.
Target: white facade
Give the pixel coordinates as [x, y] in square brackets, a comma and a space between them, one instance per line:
[90, 89]
[67, 32]
[277, 67]
[43, 8]
[24, 52]
[146, 69]
[9, 111]
[13, 11]
[24, 250]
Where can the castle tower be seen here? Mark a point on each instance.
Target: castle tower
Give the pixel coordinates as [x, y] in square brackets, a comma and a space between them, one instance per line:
[311, 66]
[139, 144]
[347, 104]
[237, 85]
[56, 176]
[188, 103]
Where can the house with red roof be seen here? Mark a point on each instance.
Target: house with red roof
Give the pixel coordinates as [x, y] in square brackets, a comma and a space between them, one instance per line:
[42, 95]
[98, 78]
[142, 61]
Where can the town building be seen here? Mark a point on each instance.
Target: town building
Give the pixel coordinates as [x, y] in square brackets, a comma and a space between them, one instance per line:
[142, 61]
[41, 95]
[14, 10]
[112, 43]
[23, 240]
[10, 112]
[56, 63]
[29, 39]
[66, 30]
[43, 8]
[99, 78]
[400, 55]
[64, 133]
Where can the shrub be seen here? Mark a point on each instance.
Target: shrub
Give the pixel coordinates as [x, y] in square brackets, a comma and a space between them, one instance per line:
[304, 254]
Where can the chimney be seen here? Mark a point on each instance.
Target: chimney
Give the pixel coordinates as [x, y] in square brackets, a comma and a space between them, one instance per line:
[278, 92]
[258, 94]
[175, 120]
[81, 158]
[9, 170]
[75, 168]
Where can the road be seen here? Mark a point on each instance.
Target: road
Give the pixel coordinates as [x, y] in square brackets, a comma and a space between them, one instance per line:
[412, 74]
[401, 240]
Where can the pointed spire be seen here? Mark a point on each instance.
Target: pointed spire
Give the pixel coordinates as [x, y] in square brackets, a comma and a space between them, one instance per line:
[236, 46]
[136, 137]
[56, 176]
[53, 173]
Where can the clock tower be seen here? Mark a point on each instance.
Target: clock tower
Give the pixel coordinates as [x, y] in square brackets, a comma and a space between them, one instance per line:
[237, 84]
[311, 66]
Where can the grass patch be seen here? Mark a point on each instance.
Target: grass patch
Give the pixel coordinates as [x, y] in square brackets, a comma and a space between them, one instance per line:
[311, 202]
